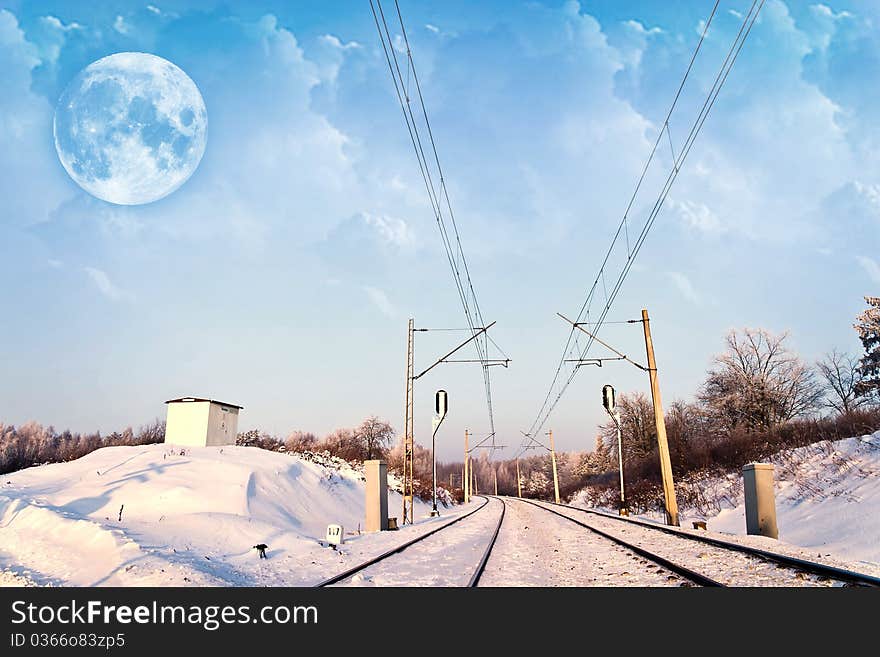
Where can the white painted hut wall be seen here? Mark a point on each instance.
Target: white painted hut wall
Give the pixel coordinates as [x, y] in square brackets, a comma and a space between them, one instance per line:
[187, 423]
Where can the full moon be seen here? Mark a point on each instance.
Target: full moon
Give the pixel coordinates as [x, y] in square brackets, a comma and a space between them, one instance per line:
[131, 128]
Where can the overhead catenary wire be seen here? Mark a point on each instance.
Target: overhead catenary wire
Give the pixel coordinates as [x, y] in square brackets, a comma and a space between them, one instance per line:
[549, 403]
[438, 193]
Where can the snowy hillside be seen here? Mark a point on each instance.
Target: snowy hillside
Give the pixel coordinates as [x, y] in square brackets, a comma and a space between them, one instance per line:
[186, 519]
[827, 500]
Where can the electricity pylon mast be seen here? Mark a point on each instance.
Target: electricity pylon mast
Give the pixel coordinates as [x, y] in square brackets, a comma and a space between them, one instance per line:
[409, 441]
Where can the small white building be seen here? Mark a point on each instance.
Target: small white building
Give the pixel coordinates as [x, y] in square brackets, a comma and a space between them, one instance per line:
[199, 422]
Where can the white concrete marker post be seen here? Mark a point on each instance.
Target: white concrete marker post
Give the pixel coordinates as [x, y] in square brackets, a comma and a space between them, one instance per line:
[377, 495]
[760, 499]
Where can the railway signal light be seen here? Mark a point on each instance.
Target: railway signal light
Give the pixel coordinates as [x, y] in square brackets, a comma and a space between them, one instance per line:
[608, 398]
[440, 404]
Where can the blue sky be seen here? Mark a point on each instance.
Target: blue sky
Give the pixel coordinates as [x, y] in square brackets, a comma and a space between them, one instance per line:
[282, 274]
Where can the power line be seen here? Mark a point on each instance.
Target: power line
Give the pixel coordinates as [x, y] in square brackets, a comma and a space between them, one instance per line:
[438, 194]
[583, 316]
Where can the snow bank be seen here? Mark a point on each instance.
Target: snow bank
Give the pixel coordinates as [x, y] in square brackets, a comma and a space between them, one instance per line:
[827, 500]
[187, 516]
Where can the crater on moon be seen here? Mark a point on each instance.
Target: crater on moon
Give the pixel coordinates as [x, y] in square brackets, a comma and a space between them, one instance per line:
[131, 128]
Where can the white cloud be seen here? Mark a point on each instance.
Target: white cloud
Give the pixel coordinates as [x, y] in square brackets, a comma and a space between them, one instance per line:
[104, 284]
[871, 267]
[380, 300]
[432, 28]
[121, 26]
[334, 41]
[870, 193]
[684, 285]
[57, 24]
[31, 182]
[392, 231]
[638, 27]
[154, 9]
[699, 217]
[826, 12]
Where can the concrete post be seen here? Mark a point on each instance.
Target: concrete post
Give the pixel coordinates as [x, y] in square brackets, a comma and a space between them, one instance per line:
[760, 499]
[377, 495]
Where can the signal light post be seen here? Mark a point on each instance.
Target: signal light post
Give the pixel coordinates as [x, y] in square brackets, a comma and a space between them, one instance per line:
[440, 406]
[608, 403]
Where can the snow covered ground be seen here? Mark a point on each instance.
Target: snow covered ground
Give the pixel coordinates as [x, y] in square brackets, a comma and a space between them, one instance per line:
[537, 548]
[187, 518]
[447, 558]
[827, 503]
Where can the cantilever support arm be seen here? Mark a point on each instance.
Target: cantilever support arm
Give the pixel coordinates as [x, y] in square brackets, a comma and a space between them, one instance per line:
[604, 344]
[466, 342]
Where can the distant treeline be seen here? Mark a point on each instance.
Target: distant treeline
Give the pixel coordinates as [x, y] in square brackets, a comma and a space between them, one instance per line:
[33, 444]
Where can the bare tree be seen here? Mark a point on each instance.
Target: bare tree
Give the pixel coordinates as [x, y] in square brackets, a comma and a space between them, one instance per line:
[637, 427]
[301, 441]
[758, 382]
[374, 434]
[842, 375]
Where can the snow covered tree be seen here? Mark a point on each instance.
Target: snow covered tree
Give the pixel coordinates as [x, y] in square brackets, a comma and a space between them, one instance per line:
[868, 328]
[301, 441]
[599, 460]
[375, 435]
[758, 382]
[538, 483]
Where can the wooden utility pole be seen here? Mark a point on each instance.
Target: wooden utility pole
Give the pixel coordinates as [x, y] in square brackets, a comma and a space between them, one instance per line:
[467, 474]
[670, 502]
[555, 474]
[409, 441]
[495, 474]
[518, 481]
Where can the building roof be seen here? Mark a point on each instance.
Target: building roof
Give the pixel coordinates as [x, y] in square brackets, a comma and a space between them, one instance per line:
[201, 399]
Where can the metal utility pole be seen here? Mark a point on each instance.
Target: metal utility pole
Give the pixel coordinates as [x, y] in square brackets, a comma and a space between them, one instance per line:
[467, 474]
[553, 459]
[409, 441]
[665, 462]
[518, 481]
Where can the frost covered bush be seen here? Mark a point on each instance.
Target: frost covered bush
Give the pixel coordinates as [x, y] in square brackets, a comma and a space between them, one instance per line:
[33, 444]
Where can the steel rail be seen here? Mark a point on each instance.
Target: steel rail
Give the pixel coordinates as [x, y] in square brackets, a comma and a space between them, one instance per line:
[812, 567]
[400, 548]
[481, 567]
[686, 573]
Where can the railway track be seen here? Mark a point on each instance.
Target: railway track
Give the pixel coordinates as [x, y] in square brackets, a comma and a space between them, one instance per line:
[386, 557]
[793, 569]
[680, 572]
[689, 560]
